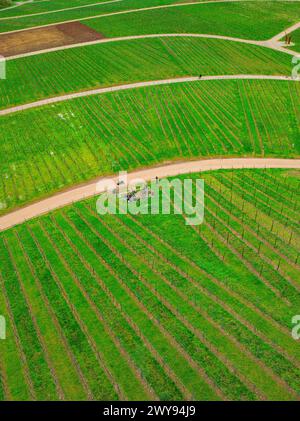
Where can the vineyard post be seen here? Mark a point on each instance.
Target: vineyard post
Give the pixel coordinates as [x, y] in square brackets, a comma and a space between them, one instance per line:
[261, 269]
[269, 207]
[279, 261]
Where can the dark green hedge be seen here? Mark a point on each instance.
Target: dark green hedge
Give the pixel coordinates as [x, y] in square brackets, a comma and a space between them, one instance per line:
[5, 3]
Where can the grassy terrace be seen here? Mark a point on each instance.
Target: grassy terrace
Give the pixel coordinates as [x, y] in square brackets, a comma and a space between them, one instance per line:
[44, 6]
[49, 18]
[60, 72]
[52, 147]
[173, 312]
[232, 19]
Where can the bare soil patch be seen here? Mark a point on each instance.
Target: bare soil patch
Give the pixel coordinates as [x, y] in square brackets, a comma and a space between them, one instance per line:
[47, 37]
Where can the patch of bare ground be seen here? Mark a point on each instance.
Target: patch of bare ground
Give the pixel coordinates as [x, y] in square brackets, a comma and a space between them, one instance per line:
[48, 37]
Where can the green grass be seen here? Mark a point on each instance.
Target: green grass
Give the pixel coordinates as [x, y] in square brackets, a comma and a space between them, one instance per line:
[53, 147]
[61, 16]
[252, 20]
[233, 19]
[60, 72]
[44, 6]
[159, 308]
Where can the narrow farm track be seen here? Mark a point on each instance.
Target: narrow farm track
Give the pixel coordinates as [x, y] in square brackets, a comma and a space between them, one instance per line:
[272, 44]
[94, 187]
[99, 91]
[276, 42]
[292, 28]
[58, 10]
[165, 6]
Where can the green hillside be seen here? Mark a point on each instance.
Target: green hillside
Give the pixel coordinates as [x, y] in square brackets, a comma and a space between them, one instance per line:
[52, 147]
[153, 308]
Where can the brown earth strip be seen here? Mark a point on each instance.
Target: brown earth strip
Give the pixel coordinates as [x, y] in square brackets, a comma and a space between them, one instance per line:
[48, 37]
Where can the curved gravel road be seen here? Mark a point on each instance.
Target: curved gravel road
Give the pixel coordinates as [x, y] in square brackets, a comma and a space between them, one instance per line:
[271, 44]
[95, 187]
[99, 91]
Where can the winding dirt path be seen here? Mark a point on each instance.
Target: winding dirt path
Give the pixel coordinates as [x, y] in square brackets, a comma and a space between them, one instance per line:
[292, 28]
[276, 42]
[125, 87]
[19, 4]
[97, 186]
[273, 45]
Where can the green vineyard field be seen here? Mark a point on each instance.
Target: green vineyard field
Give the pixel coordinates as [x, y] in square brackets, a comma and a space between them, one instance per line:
[146, 307]
[53, 147]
